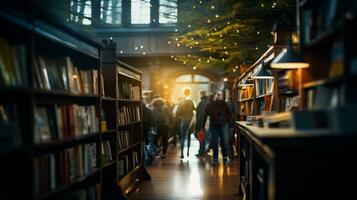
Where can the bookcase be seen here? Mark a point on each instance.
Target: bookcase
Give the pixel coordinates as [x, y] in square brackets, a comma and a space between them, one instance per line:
[122, 109]
[49, 108]
[254, 96]
[327, 34]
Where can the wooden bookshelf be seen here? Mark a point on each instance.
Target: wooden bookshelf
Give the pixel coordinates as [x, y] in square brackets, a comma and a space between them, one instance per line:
[122, 83]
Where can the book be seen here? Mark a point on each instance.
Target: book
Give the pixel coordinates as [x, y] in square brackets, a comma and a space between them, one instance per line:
[9, 126]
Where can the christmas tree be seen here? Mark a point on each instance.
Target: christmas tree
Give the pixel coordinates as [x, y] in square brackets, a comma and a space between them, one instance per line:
[228, 33]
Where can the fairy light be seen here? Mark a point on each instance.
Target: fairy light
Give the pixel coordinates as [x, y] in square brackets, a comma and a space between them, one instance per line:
[196, 42]
[220, 35]
[208, 61]
[191, 47]
[215, 29]
[176, 39]
[194, 68]
[144, 53]
[184, 62]
[172, 56]
[217, 16]
[228, 23]
[226, 52]
[236, 66]
[194, 7]
[208, 34]
[262, 5]
[178, 44]
[176, 30]
[237, 31]
[199, 59]
[234, 70]
[222, 59]
[191, 38]
[208, 21]
[175, 58]
[224, 47]
[258, 32]
[212, 7]
[235, 44]
[141, 46]
[189, 26]
[189, 55]
[256, 48]
[169, 42]
[121, 52]
[136, 48]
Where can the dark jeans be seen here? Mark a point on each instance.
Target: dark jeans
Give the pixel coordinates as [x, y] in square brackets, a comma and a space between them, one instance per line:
[219, 133]
[184, 132]
[162, 131]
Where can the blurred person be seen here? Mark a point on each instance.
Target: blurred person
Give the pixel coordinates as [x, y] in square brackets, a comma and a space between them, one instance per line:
[230, 131]
[162, 119]
[199, 118]
[220, 116]
[185, 111]
[176, 121]
[149, 135]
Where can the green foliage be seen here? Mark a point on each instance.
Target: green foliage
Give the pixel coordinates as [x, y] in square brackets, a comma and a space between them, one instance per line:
[228, 33]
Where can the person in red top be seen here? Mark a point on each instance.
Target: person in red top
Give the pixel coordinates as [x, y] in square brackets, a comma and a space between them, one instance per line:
[220, 116]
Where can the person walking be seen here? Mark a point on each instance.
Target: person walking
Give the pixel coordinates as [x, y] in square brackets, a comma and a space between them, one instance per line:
[149, 135]
[199, 117]
[162, 120]
[186, 111]
[220, 116]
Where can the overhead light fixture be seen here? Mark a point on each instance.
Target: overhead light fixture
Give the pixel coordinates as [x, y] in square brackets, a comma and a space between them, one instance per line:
[289, 58]
[263, 72]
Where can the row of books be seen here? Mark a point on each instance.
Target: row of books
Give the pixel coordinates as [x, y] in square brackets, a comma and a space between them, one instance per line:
[266, 104]
[9, 126]
[13, 65]
[92, 192]
[123, 139]
[320, 18]
[57, 169]
[61, 74]
[59, 122]
[247, 108]
[125, 165]
[128, 91]
[106, 152]
[245, 93]
[128, 114]
[264, 86]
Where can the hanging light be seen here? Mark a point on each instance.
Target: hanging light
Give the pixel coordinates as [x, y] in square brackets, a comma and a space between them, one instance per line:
[263, 72]
[289, 59]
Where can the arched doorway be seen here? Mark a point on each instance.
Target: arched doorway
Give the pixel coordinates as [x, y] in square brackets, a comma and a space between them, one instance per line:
[195, 82]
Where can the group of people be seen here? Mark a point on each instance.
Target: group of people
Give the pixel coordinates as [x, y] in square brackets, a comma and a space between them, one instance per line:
[212, 116]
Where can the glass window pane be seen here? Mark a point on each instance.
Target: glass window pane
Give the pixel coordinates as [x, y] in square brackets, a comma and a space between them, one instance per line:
[184, 78]
[81, 11]
[140, 11]
[87, 13]
[110, 11]
[200, 78]
[168, 11]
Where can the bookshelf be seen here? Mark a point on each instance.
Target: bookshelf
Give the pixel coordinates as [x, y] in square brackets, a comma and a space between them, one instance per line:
[121, 106]
[49, 110]
[327, 42]
[253, 97]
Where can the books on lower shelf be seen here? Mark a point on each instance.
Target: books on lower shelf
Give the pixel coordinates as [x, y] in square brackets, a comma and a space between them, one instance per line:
[60, 122]
[128, 114]
[61, 74]
[124, 165]
[107, 155]
[9, 126]
[123, 139]
[13, 64]
[58, 169]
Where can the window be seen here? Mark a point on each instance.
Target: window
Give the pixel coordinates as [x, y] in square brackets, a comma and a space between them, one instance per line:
[81, 11]
[168, 11]
[200, 78]
[140, 11]
[184, 78]
[110, 11]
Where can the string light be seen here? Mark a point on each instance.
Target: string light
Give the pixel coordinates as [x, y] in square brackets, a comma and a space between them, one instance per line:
[228, 23]
[175, 58]
[136, 48]
[172, 56]
[194, 7]
[237, 31]
[184, 62]
[208, 34]
[262, 5]
[200, 2]
[208, 21]
[197, 42]
[199, 59]
[176, 39]
[176, 30]
[236, 66]
[194, 68]
[256, 48]
[215, 29]
[141, 46]
[178, 44]
[189, 26]
[235, 44]
[234, 70]
[224, 47]
[169, 42]
[212, 7]
[188, 55]
[222, 59]
[226, 52]
[258, 32]
[208, 61]
[121, 52]
[144, 53]
[191, 38]
[217, 16]
[191, 47]
[220, 35]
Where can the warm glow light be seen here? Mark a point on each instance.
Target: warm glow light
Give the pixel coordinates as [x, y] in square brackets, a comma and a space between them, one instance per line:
[172, 56]
[176, 39]
[194, 68]
[236, 67]
[169, 42]
[141, 46]
[217, 15]
[212, 7]
[136, 48]
[178, 44]
[225, 79]
[290, 65]
[234, 70]
[208, 21]
[121, 52]
[144, 53]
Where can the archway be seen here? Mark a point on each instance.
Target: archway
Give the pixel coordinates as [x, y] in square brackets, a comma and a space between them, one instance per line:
[195, 82]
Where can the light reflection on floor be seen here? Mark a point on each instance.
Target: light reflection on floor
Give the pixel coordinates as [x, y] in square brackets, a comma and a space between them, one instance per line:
[189, 178]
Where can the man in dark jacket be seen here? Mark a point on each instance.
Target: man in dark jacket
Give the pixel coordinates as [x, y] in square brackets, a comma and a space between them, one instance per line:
[199, 117]
[220, 116]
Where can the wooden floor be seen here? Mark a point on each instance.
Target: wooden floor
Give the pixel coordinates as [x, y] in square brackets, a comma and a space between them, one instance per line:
[189, 178]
